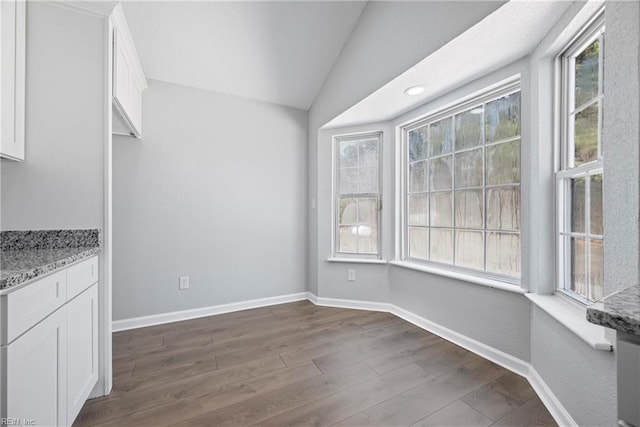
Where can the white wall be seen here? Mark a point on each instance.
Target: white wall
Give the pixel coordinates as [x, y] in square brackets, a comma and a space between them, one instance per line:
[60, 183]
[214, 192]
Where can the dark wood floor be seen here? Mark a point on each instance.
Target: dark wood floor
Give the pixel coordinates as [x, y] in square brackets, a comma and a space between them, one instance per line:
[299, 364]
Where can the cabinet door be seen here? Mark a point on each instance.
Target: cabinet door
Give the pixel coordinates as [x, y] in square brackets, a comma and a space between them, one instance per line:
[121, 74]
[36, 373]
[82, 349]
[12, 73]
[126, 92]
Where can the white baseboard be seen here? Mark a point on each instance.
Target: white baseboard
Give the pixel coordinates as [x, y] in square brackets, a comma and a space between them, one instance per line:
[176, 316]
[498, 357]
[520, 367]
[557, 411]
[353, 304]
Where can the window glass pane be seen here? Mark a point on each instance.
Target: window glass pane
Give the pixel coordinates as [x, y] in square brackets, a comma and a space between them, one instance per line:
[418, 243]
[440, 173]
[418, 177]
[468, 209]
[348, 180]
[368, 180]
[368, 155]
[348, 213]
[441, 137]
[586, 77]
[503, 163]
[586, 135]
[578, 201]
[502, 118]
[596, 213]
[578, 266]
[469, 128]
[348, 153]
[441, 245]
[503, 254]
[367, 239]
[503, 208]
[418, 144]
[418, 209]
[475, 163]
[469, 169]
[357, 198]
[368, 210]
[348, 238]
[470, 249]
[596, 270]
[441, 209]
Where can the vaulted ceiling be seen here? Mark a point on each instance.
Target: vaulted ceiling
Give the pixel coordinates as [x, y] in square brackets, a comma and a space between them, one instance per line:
[278, 52]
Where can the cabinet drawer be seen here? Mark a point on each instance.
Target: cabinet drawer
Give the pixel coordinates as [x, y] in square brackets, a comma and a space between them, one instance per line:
[81, 276]
[27, 306]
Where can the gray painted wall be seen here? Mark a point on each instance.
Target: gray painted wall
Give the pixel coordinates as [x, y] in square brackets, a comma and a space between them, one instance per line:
[494, 317]
[622, 145]
[582, 378]
[375, 53]
[371, 279]
[60, 182]
[214, 192]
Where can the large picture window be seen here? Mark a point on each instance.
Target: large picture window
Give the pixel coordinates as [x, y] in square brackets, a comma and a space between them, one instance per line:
[580, 178]
[357, 195]
[462, 187]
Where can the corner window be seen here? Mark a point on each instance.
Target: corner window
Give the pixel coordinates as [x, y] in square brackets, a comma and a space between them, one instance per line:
[462, 187]
[357, 200]
[580, 178]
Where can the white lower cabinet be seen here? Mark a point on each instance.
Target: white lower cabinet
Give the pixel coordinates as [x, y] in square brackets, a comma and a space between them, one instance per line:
[82, 349]
[36, 374]
[49, 370]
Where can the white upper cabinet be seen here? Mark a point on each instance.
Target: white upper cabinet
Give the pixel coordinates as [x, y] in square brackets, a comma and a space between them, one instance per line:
[12, 76]
[128, 79]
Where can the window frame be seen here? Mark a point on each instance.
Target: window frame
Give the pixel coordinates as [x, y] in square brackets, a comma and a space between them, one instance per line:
[336, 140]
[505, 88]
[566, 171]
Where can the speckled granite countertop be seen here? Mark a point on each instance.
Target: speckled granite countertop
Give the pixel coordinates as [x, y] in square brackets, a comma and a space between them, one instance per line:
[27, 255]
[619, 311]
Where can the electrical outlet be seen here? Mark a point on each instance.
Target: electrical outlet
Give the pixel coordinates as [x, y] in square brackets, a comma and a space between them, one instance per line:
[183, 283]
[351, 275]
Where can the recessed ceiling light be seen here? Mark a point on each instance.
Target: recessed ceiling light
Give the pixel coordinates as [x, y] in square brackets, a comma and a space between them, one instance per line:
[414, 90]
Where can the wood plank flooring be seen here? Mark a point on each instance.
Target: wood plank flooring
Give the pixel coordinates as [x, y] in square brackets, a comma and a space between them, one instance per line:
[299, 364]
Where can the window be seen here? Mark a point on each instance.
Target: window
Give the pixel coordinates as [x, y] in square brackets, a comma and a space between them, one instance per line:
[357, 195]
[579, 180]
[462, 186]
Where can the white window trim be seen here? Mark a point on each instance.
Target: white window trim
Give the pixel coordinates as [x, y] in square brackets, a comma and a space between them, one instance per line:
[459, 275]
[357, 260]
[353, 257]
[564, 149]
[508, 86]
